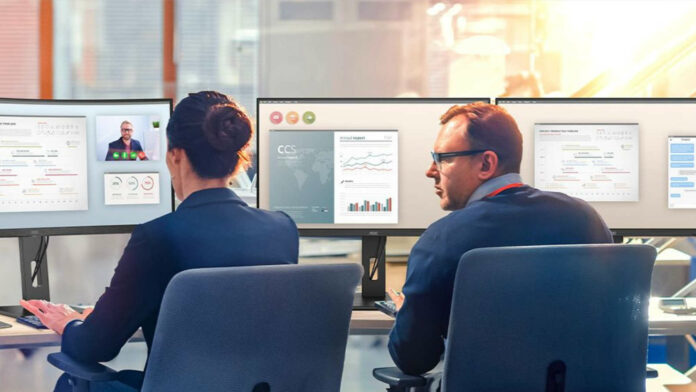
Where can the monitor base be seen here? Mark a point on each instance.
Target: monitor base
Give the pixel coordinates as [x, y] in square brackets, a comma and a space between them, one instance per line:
[366, 303]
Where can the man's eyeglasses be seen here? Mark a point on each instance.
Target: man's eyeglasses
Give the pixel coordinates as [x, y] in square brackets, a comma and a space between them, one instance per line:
[439, 156]
[126, 130]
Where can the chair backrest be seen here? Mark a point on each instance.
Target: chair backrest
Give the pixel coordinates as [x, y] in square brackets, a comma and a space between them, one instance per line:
[550, 318]
[253, 329]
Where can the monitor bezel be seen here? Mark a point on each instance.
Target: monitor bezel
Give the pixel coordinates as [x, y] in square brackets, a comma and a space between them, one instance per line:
[78, 230]
[618, 232]
[357, 232]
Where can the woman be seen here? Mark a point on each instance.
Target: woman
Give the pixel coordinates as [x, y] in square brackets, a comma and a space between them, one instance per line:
[212, 227]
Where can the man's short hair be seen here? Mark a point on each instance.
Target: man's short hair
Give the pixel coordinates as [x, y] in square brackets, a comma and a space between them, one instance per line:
[491, 127]
[126, 122]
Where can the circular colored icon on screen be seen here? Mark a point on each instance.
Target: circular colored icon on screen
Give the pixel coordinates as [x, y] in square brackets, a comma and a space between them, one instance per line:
[292, 117]
[124, 155]
[148, 183]
[116, 155]
[116, 183]
[309, 117]
[141, 155]
[133, 155]
[276, 117]
[132, 183]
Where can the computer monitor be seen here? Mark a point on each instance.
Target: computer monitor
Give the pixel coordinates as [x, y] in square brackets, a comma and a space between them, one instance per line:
[65, 167]
[631, 159]
[79, 167]
[352, 167]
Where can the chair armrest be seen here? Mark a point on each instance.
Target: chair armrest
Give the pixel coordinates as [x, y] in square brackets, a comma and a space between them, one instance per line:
[85, 371]
[396, 378]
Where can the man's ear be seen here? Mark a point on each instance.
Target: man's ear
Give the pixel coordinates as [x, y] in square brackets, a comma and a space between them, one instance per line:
[489, 165]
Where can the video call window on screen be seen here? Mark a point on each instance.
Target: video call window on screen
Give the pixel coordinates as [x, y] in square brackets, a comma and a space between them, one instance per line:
[128, 138]
[62, 167]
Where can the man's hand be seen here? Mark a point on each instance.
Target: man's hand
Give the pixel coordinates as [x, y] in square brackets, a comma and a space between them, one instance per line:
[397, 297]
[53, 316]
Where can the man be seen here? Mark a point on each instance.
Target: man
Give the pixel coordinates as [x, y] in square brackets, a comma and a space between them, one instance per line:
[476, 164]
[125, 148]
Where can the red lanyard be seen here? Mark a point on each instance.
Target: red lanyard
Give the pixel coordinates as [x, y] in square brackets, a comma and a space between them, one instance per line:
[506, 187]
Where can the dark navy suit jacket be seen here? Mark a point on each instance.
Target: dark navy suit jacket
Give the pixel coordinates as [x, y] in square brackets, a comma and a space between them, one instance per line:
[120, 146]
[517, 216]
[211, 228]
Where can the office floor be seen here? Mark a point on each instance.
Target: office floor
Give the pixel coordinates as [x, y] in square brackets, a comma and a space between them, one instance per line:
[21, 373]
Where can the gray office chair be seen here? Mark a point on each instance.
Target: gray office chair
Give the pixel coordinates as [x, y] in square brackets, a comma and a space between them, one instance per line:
[546, 318]
[250, 329]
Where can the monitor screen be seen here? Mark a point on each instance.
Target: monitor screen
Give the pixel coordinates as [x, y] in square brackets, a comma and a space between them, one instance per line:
[631, 159]
[72, 167]
[350, 165]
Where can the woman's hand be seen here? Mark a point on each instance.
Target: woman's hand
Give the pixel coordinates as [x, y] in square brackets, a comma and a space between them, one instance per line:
[53, 316]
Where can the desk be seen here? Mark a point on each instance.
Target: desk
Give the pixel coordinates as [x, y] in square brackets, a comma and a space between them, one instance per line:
[362, 322]
[22, 336]
[667, 379]
[662, 323]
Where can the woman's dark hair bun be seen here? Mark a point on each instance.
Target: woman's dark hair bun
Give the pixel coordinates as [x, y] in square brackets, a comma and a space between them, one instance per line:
[213, 130]
[226, 128]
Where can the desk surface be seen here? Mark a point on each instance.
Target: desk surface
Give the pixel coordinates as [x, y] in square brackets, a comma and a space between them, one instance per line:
[362, 322]
[20, 335]
[662, 323]
[667, 378]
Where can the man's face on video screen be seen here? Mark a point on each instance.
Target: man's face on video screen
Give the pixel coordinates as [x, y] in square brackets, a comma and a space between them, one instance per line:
[126, 131]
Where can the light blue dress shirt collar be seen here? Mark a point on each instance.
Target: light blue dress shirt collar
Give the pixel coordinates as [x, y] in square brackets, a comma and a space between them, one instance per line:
[492, 185]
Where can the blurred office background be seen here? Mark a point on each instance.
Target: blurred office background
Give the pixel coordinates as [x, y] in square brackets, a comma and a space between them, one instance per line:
[118, 49]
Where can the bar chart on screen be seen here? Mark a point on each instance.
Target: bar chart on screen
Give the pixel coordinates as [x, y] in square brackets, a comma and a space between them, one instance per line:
[366, 176]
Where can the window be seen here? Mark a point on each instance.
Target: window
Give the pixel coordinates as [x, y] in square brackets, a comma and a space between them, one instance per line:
[19, 45]
[216, 48]
[108, 49]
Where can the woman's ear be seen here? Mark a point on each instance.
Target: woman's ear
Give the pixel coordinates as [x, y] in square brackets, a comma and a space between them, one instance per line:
[174, 155]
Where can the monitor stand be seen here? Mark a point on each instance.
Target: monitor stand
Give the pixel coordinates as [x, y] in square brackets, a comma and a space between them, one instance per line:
[374, 279]
[28, 250]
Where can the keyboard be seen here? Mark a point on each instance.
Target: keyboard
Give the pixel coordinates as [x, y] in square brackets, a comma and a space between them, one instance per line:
[387, 307]
[31, 321]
